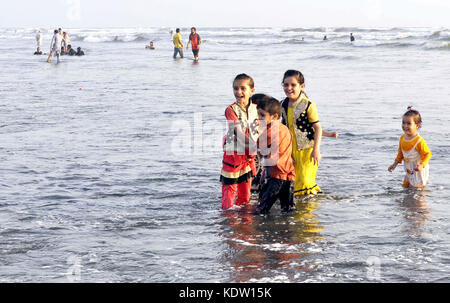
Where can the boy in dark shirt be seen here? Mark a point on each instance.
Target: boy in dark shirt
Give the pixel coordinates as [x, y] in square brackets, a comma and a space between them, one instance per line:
[79, 52]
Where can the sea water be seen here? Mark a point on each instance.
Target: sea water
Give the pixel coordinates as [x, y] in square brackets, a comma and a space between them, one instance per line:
[111, 161]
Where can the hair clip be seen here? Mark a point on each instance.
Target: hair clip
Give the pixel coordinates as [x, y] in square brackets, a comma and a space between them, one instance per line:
[409, 108]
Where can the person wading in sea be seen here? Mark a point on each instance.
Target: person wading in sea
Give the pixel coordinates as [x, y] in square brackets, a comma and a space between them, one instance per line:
[55, 46]
[196, 41]
[178, 44]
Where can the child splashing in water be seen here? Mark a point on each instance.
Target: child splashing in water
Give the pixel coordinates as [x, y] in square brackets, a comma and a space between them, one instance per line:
[413, 150]
[238, 167]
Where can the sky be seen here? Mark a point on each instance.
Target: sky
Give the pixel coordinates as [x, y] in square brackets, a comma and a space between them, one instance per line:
[226, 13]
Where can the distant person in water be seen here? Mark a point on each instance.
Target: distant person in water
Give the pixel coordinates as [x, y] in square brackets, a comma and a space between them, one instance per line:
[79, 52]
[61, 33]
[325, 38]
[38, 42]
[196, 41]
[178, 44]
[66, 41]
[70, 50]
[150, 46]
[55, 46]
[352, 38]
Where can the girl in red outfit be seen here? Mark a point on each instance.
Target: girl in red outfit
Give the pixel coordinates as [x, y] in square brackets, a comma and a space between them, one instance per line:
[238, 166]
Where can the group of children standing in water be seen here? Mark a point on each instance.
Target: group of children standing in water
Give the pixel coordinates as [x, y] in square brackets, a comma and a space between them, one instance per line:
[286, 136]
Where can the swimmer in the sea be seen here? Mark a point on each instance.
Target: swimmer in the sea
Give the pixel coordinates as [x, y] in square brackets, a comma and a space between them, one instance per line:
[79, 52]
[150, 46]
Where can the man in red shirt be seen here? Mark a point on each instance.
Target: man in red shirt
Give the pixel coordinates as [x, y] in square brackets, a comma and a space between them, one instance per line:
[196, 41]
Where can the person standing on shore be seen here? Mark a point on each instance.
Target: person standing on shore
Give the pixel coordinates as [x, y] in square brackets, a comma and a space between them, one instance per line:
[196, 41]
[178, 44]
[55, 46]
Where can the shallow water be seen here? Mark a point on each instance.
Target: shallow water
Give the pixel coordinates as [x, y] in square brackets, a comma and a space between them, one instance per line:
[108, 176]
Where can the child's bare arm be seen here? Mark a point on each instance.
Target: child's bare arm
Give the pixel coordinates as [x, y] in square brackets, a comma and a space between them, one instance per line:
[419, 167]
[316, 157]
[328, 134]
[393, 166]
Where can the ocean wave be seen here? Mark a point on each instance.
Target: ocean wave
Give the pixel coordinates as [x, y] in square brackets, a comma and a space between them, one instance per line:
[293, 41]
[355, 29]
[333, 57]
[408, 37]
[398, 29]
[436, 34]
[378, 43]
[399, 44]
[445, 46]
[300, 29]
[250, 33]
[440, 35]
[442, 46]
[113, 37]
[361, 29]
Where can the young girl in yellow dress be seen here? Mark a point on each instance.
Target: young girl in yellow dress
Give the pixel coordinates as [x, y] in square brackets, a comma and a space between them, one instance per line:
[300, 115]
[413, 150]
